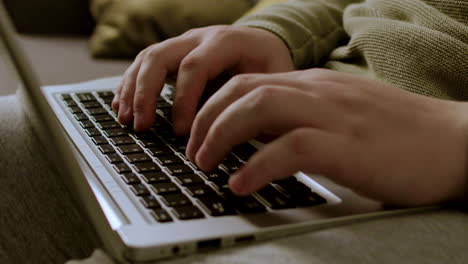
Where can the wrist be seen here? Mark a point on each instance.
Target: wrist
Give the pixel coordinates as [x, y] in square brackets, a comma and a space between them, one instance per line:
[462, 114]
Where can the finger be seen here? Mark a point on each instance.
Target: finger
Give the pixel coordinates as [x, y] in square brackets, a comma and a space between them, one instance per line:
[234, 89]
[206, 62]
[257, 113]
[124, 98]
[158, 62]
[305, 149]
[130, 74]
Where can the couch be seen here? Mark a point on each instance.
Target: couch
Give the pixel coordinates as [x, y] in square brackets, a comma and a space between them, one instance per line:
[49, 228]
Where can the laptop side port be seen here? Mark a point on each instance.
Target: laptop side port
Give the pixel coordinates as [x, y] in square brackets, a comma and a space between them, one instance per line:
[244, 239]
[209, 244]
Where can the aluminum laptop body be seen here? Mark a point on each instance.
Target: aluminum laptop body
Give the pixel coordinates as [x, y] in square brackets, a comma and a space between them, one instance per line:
[127, 228]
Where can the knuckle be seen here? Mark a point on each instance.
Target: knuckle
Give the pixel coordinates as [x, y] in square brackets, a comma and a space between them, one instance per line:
[193, 32]
[190, 63]
[297, 142]
[242, 81]
[222, 32]
[263, 97]
[356, 127]
[152, 53]
[216, 132]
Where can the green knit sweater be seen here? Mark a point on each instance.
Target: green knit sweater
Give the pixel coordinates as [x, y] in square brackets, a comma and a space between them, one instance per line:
[418, 45]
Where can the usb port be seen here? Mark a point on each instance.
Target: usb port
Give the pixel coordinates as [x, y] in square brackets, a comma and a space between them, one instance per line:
[209, 244]
[243, 239]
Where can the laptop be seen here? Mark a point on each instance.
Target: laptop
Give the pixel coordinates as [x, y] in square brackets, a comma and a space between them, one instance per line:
[145, 199]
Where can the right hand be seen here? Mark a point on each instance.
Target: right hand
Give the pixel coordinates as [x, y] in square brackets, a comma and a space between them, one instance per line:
[197, 56]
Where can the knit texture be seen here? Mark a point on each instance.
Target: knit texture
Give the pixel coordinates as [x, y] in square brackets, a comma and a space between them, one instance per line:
[417, 45]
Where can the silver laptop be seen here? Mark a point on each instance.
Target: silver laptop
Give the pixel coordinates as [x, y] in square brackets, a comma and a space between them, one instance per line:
[145, 199]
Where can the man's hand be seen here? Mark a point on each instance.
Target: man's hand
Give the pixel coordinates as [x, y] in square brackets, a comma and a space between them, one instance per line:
[196, 56]
[381, 141]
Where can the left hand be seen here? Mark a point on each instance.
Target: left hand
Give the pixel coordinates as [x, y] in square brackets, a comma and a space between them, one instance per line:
[384, 142]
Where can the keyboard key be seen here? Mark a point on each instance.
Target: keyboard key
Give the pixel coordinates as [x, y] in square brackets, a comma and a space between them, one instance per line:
[161, 215]
[177, 143]
[93, 132]
[161, 127]
[150, 142]
[106, 94]
[139, 190]
[216, 206]
[121, 168]
[106, 149]
[108, 101]
[200, 190]
[80, 117]
[146, 167]
[116, 132]
[86, 124]
[274, 198]
[70, 103]
[153, 177]
[289, 180]
[150, 202]
[118, 141]
[160, 150]
[231, 157]
[130, 178]
[138, 157]
[222, 184]
[96, 111]
[175, 200]
[114, 158]
[109, 125]
[103, 118]
[188, 212]
[166, 112]
[143, 135]
[244, 151]
[85, 97]
[232, 166]
[300, 193]
[169, 160]
[92, 104]
[189, 179]
[245, 205]
[179, 169]
[129, 149]
[75, 110]
[66, 97]
[217, 175]
[165, 188]
[163, 104]
[99, 140]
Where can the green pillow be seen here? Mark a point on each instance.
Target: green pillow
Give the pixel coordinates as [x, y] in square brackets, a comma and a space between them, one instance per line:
[125, 27]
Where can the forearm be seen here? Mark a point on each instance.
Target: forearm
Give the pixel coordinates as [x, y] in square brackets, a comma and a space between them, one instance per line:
[310, 28]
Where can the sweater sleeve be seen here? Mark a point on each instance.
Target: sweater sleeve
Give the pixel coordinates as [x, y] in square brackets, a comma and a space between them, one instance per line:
[310, 28]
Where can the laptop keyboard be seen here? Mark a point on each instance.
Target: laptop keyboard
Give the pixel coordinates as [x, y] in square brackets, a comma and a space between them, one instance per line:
[153, 166]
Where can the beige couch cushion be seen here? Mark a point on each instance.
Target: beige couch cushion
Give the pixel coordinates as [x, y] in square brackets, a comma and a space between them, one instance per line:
[126, 27]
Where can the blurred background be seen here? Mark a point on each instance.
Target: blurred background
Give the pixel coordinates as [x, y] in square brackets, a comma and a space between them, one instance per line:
[70, 41]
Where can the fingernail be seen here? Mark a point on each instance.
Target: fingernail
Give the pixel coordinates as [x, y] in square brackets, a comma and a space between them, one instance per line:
[199, 157]
[137, 122]
[188, 151]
